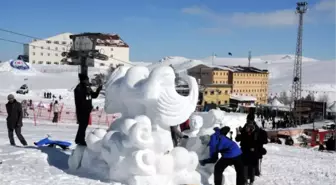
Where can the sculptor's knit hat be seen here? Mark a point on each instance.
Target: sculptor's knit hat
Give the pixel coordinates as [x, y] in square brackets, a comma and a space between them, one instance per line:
[82, 77]
[10, 97]
[225, 130]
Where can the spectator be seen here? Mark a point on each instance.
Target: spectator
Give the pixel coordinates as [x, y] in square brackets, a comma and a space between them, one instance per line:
[24, 108]
[56, 112]
[14, 120]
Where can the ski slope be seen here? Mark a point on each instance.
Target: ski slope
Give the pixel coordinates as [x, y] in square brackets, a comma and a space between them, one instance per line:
[48, 166]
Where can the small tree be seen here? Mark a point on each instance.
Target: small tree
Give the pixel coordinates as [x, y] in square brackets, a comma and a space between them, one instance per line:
[323, 98]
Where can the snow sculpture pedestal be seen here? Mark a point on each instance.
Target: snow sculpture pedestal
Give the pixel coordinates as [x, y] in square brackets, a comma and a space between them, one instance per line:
[137, 149]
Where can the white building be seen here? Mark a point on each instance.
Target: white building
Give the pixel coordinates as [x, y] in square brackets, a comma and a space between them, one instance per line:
[49, 50]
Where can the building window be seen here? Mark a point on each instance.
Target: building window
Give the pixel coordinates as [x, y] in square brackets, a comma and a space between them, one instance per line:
[48, 48]
[56, 42]
[219, 102]
[33, 61]
[63, 49]
[40, 62]
[33, 53]
[56, 48]
[63, 42]
[226, 91]
[56, 54]
[48, 42]
[33, 47]
[102, 64]
[48, 62]
[48, 54]
[212, 92]
[225, 102]
[56, 63]
[41, 54]
[111, 49]
[41, 47]
[111, 56]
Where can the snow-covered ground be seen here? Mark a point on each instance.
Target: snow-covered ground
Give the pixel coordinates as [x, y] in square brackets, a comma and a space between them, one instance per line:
[45, 166]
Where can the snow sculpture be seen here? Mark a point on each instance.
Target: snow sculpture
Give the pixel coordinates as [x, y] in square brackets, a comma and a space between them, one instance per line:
[137, 148]
[199, 137]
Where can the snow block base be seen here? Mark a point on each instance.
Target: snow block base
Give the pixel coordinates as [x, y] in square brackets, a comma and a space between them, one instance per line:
[74, 161]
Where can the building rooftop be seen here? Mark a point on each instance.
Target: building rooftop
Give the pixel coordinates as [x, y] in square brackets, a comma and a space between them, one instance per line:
[236, 69]
[104, 39]
[246, 69]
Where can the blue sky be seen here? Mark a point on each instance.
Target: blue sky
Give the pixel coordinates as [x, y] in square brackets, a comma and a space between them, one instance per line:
[190, 28]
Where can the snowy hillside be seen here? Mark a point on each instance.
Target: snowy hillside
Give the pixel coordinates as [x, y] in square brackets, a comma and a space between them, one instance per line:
[319, 77]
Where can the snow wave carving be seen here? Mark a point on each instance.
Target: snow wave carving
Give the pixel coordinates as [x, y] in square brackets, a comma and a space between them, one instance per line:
[137, 148]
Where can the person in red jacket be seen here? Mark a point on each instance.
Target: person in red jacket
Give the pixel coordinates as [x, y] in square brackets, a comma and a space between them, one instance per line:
[185, 126]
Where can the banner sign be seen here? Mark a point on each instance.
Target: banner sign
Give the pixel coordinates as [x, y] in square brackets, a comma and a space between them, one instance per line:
[19, 64]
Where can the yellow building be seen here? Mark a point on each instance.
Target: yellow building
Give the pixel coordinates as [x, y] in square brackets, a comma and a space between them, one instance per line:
[217, 93]
[236, 80]
[250, 81]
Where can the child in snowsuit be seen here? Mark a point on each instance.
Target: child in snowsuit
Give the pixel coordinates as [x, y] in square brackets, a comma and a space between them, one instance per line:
[230, 155]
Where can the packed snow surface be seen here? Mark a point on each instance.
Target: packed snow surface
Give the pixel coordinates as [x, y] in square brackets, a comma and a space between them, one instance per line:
[281, 165]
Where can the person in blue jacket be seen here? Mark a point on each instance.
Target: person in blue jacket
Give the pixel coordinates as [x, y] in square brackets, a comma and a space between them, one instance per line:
[230, 155]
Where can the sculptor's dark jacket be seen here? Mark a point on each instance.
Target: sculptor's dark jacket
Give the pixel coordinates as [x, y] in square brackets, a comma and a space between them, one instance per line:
[14, 115]
[83, 99]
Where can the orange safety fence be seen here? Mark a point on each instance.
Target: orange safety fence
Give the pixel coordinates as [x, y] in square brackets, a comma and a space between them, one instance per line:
[43, 112]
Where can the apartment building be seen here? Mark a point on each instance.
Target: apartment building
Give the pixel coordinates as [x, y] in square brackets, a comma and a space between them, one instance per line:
[49, 51]
[224, 82]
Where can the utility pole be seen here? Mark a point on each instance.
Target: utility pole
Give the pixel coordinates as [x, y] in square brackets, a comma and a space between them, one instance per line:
[212, 58]
[301, 9]
[249, 59]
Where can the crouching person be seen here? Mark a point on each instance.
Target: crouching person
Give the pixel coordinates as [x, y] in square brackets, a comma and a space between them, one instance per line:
[230, 155]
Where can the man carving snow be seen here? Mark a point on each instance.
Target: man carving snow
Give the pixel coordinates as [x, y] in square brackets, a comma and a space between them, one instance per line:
[83, 101]
[231, 155]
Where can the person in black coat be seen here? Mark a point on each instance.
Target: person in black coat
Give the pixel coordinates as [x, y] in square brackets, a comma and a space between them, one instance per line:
[251, 115]
[289, 141]
[83, 102]
[252, 138]
[14, 120]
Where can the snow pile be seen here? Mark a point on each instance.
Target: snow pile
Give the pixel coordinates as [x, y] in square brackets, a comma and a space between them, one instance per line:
[137, 148]
[8, 67]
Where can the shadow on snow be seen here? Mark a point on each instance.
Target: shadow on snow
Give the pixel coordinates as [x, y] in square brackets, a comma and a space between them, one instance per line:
[59, 159]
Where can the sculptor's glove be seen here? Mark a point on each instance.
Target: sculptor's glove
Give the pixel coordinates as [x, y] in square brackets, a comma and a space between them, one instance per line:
[185, 137]
[202, 162]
